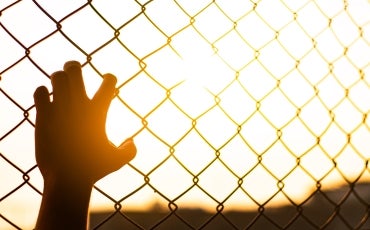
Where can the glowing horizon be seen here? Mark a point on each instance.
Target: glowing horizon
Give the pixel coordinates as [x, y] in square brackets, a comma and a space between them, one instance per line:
[280, 101]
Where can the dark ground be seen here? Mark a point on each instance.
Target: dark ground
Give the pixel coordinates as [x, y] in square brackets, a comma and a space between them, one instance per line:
[343, 208]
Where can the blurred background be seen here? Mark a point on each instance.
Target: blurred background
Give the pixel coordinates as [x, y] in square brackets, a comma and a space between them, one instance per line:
[246, 114]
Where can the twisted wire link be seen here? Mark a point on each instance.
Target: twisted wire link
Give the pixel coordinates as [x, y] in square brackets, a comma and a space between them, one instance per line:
[261, 98]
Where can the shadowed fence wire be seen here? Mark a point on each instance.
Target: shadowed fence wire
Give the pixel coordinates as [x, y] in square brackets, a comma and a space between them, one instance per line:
[300, 75]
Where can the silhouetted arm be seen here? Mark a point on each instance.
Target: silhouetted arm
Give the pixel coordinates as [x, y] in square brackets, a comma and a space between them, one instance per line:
[72, 149]
[64, 205]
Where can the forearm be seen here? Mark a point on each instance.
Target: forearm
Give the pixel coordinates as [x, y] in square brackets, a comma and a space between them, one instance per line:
[64, 205]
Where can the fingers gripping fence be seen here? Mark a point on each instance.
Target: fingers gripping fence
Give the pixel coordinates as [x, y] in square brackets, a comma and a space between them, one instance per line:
[254, 111]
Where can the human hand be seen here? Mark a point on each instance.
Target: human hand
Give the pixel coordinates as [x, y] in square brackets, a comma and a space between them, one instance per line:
[70, 137]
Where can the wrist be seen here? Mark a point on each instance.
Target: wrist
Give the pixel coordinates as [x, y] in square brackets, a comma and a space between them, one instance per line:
[70, 183]
[65, 203]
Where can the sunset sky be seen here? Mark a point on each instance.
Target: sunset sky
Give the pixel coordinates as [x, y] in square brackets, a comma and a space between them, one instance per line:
[229, 97]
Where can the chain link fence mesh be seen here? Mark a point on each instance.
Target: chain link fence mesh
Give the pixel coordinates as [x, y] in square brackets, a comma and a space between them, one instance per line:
[254, 111]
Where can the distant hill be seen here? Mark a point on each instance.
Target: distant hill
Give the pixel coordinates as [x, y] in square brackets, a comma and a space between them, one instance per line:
[343, 208]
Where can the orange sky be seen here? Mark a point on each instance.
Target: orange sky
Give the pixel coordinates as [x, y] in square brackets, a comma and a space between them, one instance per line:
[248, 97]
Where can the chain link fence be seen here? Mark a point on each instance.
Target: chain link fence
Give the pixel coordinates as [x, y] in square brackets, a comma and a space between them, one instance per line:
[246, 114]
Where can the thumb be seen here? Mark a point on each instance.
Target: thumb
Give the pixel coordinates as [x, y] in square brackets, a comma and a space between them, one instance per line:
[125, 152]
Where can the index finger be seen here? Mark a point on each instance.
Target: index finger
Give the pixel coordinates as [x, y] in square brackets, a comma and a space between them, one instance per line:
[105, 93]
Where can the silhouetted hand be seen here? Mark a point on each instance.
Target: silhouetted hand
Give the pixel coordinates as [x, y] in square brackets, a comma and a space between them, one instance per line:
[70, 131]
[72, 149]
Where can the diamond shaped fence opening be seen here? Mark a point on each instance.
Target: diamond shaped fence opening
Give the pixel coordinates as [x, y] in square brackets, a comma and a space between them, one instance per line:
[246, 114]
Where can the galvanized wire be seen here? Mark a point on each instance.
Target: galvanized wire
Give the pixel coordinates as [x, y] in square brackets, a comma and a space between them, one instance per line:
[330, 96]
